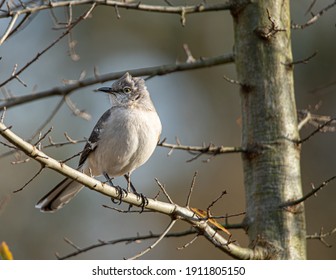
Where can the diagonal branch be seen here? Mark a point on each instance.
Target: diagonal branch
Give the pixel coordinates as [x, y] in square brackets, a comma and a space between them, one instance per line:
[149, 71]
[9, 28]
[314, 18]
[308, 195]
[173, 210]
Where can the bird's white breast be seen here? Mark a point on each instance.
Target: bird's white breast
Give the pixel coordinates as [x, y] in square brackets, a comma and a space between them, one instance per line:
[127, 140]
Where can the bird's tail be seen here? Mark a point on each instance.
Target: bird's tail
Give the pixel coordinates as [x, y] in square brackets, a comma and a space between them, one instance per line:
[59, 196]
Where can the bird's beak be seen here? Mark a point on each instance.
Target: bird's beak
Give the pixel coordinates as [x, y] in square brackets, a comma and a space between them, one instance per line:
[105, 89]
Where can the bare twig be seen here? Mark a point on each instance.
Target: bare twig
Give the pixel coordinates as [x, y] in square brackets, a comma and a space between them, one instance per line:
[73, 245]
[189, 243]
[190, 57]
[214, 202]
[319, 129]
[27, 183]
[117, 11]
[191, 189]
[301, 61]
[209, 149]
[70, 158]
[306, 117]
[322, 235]
[164, 191]
[48, 119]
[314, 18]
[303, 118]
[77, 112]
[231, 81]
[310, 7]
[308, 195]
[43, 136]
[3, 114]
[171, 224]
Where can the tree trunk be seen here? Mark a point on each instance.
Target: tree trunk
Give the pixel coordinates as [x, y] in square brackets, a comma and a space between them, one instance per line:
[270, 130]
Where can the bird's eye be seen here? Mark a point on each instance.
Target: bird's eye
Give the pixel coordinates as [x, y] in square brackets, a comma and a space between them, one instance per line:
[127, 90]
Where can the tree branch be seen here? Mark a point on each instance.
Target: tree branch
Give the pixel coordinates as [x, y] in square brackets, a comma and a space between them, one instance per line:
[314, 18]
[149, 71]
[308, 195]
[121, 4]
[173, 210]
[209, 149]
[321, 236]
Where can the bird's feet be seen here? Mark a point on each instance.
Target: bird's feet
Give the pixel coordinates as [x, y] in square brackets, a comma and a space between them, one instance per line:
[120, 191]
[143, 199]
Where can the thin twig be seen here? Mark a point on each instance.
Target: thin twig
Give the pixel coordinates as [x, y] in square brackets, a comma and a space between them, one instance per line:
[321, 236]
[43, 136]
[303, 118]
[301, 61]
[310, 7]
[171, 224]
[190, 57]
[77, 112]
[164, 190]
[73, 245]
[209, 149]
[191, 189]
[3, 114]
[214, 202]
[49, 118]
[76, 155]
[27, 183]
[235, 82]
[189, 243]
[9, 146]
[314, 18]
[319, 129]
[308, 195]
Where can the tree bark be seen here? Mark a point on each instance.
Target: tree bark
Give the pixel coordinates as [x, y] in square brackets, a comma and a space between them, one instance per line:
[271, 166]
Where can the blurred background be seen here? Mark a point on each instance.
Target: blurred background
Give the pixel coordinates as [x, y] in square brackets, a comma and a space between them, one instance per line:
[197, 106]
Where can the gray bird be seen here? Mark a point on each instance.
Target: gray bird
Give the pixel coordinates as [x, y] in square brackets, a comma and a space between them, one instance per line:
[122, 140]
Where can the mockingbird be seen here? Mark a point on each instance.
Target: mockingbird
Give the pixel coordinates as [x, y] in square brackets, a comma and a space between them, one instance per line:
[123, 139]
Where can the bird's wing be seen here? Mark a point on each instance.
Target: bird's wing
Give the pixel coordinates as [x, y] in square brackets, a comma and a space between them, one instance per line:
[94, 137]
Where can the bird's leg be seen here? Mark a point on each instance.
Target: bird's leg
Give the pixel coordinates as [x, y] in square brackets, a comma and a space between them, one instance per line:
[121, 192]
[144, 200]
[129, 183]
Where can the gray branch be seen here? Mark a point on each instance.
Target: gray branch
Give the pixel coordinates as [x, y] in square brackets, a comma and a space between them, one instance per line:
[149, 71]
[173, 210]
